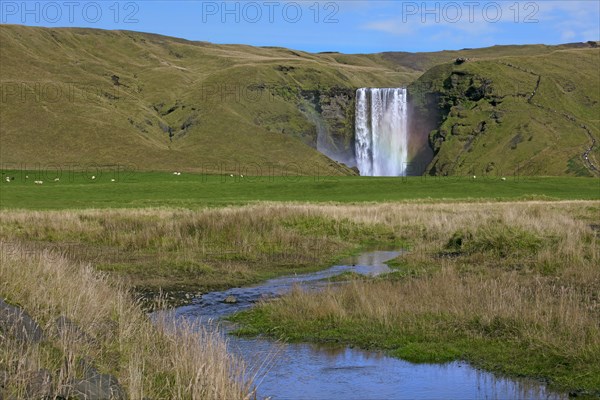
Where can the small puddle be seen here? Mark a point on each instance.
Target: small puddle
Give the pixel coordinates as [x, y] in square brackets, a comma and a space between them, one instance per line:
[310, 371]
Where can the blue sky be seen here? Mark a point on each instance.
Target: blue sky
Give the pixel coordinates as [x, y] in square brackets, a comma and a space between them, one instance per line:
[346, 26]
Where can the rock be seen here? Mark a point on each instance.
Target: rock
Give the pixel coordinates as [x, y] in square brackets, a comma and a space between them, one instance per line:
[480, 127]
[39, 385]
[16, 322]
[96, 387]
[230, 300]
[3, 379]
[67, 328]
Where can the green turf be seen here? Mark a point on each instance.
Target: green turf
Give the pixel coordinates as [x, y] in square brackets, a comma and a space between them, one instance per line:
[159, 189]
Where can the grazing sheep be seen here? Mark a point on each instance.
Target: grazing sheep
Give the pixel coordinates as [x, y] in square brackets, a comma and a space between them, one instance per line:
[56, 179]
[39, 182]
[93, 177]
[241, 176]
[179, 174]
[112, 180]
[474, 176]
[503, 178]
[231, 175]
[7, 179]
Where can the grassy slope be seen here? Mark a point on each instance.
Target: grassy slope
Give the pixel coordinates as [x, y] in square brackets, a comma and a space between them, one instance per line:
[532, 134]
[425, 61]
[205, 84]
[218, 99]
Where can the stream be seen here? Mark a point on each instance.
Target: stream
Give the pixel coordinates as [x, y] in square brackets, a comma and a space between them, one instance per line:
[311, 371]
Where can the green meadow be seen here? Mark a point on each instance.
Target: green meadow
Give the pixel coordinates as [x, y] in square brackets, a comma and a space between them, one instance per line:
[76, 190]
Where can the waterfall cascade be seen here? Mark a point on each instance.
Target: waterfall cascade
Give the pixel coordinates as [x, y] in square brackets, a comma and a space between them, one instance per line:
[381, 134]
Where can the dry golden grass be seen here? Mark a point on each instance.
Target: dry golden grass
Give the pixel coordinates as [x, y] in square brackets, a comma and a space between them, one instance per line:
[158, 361]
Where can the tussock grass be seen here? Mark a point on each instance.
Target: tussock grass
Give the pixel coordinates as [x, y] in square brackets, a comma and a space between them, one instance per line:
[158, 361]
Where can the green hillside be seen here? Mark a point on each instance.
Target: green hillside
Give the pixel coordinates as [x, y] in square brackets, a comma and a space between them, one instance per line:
[81, 98]
[527, 114]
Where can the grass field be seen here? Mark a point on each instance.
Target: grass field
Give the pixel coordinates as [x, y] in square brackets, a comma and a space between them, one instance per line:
[76, 190]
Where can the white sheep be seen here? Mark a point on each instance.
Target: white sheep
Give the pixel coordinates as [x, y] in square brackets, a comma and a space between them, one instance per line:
[39, 182]
[179, 174]
[112, 180]
[56, 179]
[474, 176]
[93, 177]
[231, 175]
[7, 179]
[503, 179]
[241, 176]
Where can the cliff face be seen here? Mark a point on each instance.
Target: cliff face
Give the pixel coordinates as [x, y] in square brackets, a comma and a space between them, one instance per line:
[436, 103]
[332, 111]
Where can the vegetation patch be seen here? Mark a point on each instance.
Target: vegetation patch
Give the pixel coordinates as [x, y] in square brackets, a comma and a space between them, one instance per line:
[496, 241]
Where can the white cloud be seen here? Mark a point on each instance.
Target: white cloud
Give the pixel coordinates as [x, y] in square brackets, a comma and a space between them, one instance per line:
[472, 22]
[576, 20]
[393, 27]
[568, 35]
[561, 20]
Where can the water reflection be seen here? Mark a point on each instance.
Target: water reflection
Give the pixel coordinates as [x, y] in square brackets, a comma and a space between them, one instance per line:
[306, 371]
[309, 371]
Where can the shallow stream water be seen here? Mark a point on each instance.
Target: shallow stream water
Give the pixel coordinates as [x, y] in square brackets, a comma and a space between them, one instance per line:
[309, 371]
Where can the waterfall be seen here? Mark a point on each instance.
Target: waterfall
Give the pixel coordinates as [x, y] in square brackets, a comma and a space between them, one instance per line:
[381, 134]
